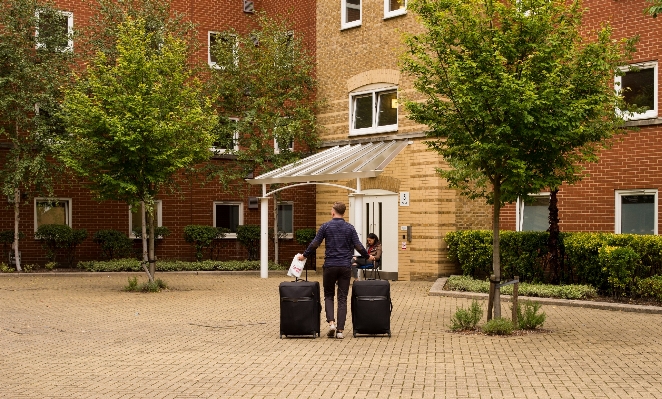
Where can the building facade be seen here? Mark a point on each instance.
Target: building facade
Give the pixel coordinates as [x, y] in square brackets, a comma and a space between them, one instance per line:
[194, 202]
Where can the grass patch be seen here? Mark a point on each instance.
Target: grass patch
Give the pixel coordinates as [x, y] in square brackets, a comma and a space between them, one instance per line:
[528, 317]
[467, 319]
[153, 286]
[575, 291]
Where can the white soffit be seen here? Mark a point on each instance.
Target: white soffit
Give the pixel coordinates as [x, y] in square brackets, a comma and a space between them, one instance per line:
[336, 163]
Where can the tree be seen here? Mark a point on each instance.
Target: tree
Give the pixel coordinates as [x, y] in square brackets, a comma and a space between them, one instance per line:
[515, 98]
[35, 62]
[135, 120]
[655, 8]
[264, 89]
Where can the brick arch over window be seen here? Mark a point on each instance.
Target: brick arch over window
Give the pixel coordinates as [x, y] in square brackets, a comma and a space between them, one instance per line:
[374, 76]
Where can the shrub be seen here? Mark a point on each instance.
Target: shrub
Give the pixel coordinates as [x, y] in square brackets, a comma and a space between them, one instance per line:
[498, 326]
[133, 265]
[528, 318]
[153, 286]
[575, 291]
[521, 254]
[114, 244]
[202, 237]
[60, 238]
[248, 235]
[472, 249]
[6, 269]
[304, 236]
[159, 232]
[650, 287]
[619, 264]
[466, 319]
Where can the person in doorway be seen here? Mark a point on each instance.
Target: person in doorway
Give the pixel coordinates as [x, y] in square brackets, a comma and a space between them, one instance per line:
[340, 240]
[374, 249]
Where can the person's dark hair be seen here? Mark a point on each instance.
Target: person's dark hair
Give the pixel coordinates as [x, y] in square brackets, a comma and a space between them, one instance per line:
[374, 237]
[339, 207]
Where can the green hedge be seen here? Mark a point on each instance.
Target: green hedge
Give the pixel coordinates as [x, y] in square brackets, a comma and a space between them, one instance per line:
[575, 291]
[523, 254]
[133, 265]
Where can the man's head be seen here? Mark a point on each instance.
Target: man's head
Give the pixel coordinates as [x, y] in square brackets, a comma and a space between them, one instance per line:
[338, 208]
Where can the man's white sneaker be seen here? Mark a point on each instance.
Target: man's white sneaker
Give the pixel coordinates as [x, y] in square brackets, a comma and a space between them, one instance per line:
[332, 331]
[339, 335]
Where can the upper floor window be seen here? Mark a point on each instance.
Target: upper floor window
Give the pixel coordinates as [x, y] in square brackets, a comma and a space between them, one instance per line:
[221, 45]
[636, 212]
[638, 86]
[393, 8]
[374, 111]
[54, 30]
[227, 137]
[136, 221]
[350, 13]
[533, 213]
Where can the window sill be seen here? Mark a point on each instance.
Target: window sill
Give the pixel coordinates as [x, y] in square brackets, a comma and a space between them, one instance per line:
[394, 14]
[381, 129]
[350, 25]
[644, 122]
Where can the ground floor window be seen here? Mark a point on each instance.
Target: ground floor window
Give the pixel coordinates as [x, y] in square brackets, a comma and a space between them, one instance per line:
[286, 219]
[135, 220]
[533, 213]
[228, 215]
[52, 211]
[636, 212]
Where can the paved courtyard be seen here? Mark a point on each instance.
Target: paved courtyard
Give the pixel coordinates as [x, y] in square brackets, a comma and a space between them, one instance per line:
[217, 336]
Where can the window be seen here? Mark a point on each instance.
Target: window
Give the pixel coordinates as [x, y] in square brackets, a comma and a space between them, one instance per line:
[533, 214]
[283, 136]
[227, 137]
[54, 30]
[135, 220]
[393, 8]
[350, 13]
[636, 212]
[229, 215]
[227, 48]
[52, 211]
[286, 219]
[374, 111]
[638, 86]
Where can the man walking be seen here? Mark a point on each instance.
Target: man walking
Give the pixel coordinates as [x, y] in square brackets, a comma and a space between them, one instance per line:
[341, 240]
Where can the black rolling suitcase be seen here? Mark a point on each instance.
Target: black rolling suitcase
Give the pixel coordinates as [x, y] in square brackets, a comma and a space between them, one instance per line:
[300, 308]
[371, 307]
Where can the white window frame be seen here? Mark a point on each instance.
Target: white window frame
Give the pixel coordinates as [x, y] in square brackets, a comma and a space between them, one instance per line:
[241, 215]
[617, 208]
[235, 140]
[68, 209]
[234, 49]
[375, 105]
[521, 205]
[159, 218]
[291, 203]
[395, 13]
[617, 85]
[343, 15]
[70, 30]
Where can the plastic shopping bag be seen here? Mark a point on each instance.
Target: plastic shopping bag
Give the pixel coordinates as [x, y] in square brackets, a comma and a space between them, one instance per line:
[296, 267]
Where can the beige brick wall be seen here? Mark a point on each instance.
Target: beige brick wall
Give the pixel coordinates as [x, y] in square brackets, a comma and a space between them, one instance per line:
[352, 58]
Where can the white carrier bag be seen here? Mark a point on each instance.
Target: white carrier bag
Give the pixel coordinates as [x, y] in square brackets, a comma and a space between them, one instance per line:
[296, 267]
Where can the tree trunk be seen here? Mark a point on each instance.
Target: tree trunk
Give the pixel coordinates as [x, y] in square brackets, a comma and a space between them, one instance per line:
[496, 261]
[275, 228]
[151, 257]
[554, 261]
[17, 218]
[143, 232]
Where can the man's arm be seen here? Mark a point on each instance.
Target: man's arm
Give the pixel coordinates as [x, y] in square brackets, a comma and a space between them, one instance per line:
[359, 246]
[317, 241]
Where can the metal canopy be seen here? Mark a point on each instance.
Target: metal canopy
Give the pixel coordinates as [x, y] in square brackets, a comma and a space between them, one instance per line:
[336, 163]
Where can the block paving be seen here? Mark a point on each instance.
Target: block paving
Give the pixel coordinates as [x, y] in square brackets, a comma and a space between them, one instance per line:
[216, 335]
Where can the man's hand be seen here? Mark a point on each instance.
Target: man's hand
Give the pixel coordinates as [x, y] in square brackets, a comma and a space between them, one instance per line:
[301, 257]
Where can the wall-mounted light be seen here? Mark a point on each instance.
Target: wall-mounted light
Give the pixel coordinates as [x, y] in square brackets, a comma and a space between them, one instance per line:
[394, 103]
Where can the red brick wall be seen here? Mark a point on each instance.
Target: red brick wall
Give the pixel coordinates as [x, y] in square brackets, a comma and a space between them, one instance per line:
[634, 161]
[193, 203]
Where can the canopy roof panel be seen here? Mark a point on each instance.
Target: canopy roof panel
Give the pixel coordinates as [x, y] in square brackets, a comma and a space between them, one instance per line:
[336, 163]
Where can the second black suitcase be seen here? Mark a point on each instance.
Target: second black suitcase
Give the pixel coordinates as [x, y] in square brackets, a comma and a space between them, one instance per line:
[371, 307]
[300, 308]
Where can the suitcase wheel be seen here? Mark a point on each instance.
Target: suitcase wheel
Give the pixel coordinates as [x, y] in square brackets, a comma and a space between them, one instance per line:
[354, 334]
[389, 333]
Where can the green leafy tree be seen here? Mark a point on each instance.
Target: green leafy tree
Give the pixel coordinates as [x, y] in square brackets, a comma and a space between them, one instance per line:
[655, 8]
[35, 62]
[135, 120]
[264, 88]
[516, 100]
